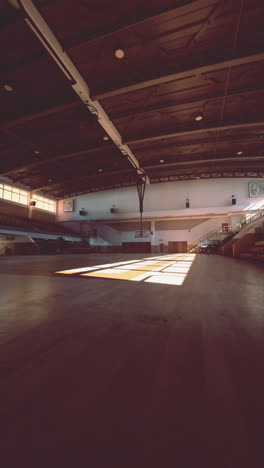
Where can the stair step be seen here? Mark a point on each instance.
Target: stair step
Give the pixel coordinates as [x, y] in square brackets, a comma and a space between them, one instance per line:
[256, 249]
[259, 243]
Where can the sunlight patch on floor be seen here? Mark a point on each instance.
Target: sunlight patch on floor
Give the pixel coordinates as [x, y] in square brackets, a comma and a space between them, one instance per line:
[166, 269]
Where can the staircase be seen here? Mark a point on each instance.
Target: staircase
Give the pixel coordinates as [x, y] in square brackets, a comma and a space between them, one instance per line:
[255, 253]
[223, 236]
[250, 233]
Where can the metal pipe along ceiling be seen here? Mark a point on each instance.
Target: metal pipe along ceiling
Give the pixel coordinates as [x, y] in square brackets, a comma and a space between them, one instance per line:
[41, 29]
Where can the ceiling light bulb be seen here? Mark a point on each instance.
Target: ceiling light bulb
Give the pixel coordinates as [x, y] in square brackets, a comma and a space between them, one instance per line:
[36, 152]
[119, 53]
[100, 170]
[239, 153]
[106, 138]
[162, 160]
[8, 87]
[199, 117]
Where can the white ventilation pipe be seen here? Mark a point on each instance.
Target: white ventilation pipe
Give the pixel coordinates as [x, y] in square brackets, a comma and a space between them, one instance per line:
[41, 29]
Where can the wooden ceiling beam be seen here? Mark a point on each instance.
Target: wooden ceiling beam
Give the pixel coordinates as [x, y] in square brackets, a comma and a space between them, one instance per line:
[245, 139]
[192, 132]
[131, 20]
[207, 173]
[42, 31]
[181, 105]
[84, 179]
[39, 115]
[206, 68]
[205, 161]
[79, 181]
[61, 157]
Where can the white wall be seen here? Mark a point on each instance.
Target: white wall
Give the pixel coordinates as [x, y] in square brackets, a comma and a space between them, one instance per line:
[192, 235]
[117, 237]
[207, 197]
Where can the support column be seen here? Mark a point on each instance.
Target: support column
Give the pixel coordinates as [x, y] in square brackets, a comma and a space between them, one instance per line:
[30, 207]
[153, 237]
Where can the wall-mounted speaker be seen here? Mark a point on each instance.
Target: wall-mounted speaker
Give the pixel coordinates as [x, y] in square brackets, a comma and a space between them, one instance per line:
[187, 204]
[32, 203]
[82, 212]
[112, 210]
[233, 200]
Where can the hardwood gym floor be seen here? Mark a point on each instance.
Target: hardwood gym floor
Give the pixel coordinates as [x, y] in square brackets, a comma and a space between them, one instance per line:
[108, 373]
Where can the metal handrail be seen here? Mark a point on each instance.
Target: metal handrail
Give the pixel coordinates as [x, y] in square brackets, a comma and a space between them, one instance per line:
[3, 250]
[211, 233]
[234, 228]
[247, 220]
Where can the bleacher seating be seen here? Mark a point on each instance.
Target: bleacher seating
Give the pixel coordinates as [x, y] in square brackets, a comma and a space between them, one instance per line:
[49, 227]
[78, 247]
[59, 245]
[259, 232]
[46, 244]
[14, 221]
[32, 225]
[255, 253]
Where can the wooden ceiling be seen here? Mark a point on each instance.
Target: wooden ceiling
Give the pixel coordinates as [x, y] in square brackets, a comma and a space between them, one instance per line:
[182, 58]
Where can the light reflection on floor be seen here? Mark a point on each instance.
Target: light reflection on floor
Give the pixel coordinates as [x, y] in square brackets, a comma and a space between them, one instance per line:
[166, 269]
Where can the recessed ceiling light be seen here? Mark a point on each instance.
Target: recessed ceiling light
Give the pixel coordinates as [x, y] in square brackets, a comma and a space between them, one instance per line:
[100, 170]
[8, 87]
[162, 160]
[36, 152]
[50, 180]
[106, 138]
[199, 117]
[119, 53]
[239, 153]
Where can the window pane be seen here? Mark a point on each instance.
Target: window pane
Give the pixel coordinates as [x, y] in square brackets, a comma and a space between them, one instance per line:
[43, 203]
[23, 200]
[14, 194]
[7, 195]
[15, 197]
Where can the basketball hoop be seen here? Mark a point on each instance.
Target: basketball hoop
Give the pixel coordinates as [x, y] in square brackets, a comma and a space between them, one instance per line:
[141, 233]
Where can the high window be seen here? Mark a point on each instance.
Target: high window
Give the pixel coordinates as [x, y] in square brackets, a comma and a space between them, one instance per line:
[13, 194]
[44, 203]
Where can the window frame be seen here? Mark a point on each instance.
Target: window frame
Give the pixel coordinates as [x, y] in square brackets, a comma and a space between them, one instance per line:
[44, 204]
[23, 195]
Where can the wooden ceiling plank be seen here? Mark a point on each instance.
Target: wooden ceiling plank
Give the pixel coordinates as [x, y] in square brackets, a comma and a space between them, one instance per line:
[80, 180]
[232, 62]
[240, 126]
[39, 115]
[131, 21]
[196, 162]
[185, 103]
[61, 157]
